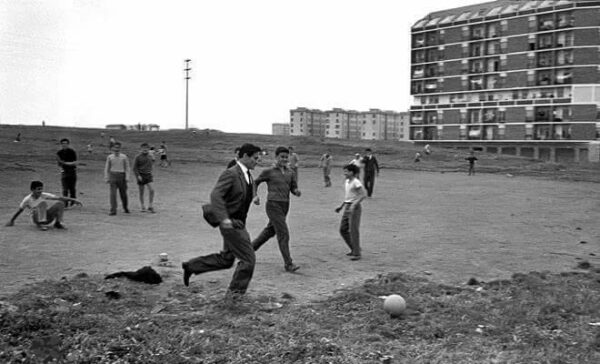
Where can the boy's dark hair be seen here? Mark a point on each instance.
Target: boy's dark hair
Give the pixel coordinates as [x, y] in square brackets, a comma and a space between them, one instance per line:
[36, 184]
[145, 145]
[352, 168]
[249, 149]
[280, 150]
[65, 140]
[368, 150]
[117, 144]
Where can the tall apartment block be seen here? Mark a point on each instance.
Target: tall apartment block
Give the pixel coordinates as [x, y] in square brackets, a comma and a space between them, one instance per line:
[520, 71]
[338, 123]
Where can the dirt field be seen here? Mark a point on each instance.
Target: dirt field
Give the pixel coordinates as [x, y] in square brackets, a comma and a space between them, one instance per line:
[447, 226]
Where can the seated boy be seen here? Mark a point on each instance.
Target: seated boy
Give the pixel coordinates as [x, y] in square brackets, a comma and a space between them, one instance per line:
[45, 207]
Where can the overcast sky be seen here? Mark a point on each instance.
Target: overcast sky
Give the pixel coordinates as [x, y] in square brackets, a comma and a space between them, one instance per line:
[95, 62]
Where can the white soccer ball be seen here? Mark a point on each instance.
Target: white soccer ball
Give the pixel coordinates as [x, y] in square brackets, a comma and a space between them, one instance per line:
[394, 305]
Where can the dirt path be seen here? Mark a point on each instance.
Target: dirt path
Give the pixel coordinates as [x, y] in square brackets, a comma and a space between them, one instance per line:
[446, 226]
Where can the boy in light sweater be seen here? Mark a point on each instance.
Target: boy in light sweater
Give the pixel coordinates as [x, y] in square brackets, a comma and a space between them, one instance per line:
[116, 173]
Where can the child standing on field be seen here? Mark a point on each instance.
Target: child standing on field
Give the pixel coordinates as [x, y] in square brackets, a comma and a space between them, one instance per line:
[142, 169]
[43, 211]
[471, 158]
[349, 226]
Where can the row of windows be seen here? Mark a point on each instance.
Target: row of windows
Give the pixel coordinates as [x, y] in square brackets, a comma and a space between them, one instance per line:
[496, 47]
[554, 58]
[509, 95]
[495, 115]
[544, 22]
[543, 77]
[531, 132]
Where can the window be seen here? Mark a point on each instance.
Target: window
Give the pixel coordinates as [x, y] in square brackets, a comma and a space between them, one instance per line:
[545, 41]
[563, 76]
[544, 77]
[564, 57]
[564, 39]
[544, 59]
[564, 19]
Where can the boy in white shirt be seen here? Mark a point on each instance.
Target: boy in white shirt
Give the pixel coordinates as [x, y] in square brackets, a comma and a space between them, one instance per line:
[349, 226]
[43, 212]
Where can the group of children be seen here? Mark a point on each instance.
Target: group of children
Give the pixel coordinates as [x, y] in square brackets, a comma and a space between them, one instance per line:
[46, 208]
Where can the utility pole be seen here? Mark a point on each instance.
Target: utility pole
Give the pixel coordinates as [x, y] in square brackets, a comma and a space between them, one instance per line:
[187, 70]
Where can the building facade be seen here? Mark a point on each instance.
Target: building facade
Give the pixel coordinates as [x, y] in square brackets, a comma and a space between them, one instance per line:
[281, 129]
[523, 71]
[339, 123]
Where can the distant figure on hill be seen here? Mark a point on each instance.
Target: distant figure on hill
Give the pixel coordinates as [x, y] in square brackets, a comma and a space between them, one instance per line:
[66, 158]
[471, 158]
[417, 157]
[427, 149]
[162, 151]
[43, 123]
[325, 163]
[90, 148]
[371, 168]
[111, 142]
[116, 174]
[142, 169]
[293, 160]
[43, 212]
[18, 138]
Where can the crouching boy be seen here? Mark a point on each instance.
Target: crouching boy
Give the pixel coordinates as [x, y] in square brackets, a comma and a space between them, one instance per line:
[45, 207]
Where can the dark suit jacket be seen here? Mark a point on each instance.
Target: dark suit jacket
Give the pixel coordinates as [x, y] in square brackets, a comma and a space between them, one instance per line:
[371, 165]
[228, 197]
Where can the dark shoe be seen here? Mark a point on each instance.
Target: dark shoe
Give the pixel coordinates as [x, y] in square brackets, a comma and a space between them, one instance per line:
[112, 213]
[291, 268]
[126, 211]
[151, 210]
[350, 254]
[186, 274]
[58, 225]
[355, 257]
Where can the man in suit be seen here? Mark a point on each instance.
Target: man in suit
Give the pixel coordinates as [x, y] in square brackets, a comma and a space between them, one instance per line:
[371, 168]
[230, 200]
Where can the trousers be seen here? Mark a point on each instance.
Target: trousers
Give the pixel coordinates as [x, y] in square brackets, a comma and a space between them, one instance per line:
[117, 182]
[349, 228]
[277, 212]
[236, 244]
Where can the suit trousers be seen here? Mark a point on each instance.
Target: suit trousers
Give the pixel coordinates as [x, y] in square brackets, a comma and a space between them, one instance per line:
[236, 244]
[277, 212]
[369, 182]
[117, 182]
[349, 228]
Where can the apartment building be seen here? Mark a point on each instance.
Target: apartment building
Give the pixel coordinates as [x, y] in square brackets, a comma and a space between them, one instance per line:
[339, 123]
[521, 71]
[280, 129]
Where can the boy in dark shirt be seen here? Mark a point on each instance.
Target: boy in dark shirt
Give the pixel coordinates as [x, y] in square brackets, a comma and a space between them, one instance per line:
[67, 160]
[142, 168]
[281, 180]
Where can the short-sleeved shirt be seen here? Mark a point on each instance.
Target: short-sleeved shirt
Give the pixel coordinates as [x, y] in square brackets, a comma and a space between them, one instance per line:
[471, 160]
[280, 181]
[29, 202]
[353, 190]
[67, 155]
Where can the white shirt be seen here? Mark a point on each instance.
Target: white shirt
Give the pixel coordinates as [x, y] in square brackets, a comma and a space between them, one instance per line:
[353, 190]
[31, 203]
[245, 170]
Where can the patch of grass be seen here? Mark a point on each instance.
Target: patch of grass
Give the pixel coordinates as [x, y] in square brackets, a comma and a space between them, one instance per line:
[535, 317]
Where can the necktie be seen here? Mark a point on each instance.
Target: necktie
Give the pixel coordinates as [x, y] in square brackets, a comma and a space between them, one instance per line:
[249, 177]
